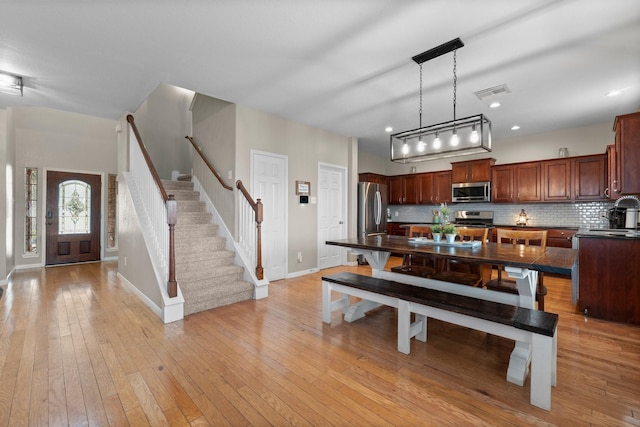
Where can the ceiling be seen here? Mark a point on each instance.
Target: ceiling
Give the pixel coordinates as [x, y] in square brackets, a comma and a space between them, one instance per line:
[341, 65]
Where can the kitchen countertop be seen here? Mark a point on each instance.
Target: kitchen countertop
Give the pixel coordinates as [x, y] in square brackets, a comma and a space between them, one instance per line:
[606, 233]
[408, 223]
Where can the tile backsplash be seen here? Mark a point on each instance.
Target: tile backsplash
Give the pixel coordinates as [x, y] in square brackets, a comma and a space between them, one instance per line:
[581, 215]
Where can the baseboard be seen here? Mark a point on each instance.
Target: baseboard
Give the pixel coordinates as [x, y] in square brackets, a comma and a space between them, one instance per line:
[302, 273]
[28, 266]
[157, 310]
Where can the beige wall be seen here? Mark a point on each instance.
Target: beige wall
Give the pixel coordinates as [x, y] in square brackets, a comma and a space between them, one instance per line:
[591, 139]
[163, 121]
[7, 156]
[56, 140]
[305, 147]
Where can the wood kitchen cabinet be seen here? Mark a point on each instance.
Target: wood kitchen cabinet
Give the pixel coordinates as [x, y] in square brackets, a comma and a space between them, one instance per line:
[426, 195]
[608, 278]
[502, 184]
[472, 170]
[589, 178]
[557, 180]
[627, 129]
[612, 192]
[403, 190]
[442, 187]
[520, 182]
[372, 177]
[393, 229]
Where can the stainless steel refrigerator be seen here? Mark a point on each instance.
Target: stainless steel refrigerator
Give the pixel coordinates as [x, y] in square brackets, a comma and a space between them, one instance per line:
[372, 209]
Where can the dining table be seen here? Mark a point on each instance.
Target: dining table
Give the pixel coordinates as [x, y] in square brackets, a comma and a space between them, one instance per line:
[520, 262]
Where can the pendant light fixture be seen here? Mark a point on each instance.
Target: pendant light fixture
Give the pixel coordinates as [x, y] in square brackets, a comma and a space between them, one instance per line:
[470, 135]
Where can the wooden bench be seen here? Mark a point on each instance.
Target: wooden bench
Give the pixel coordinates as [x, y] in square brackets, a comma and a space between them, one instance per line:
[538, 328]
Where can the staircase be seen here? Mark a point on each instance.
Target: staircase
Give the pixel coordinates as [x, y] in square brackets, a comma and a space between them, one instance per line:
[204, 268]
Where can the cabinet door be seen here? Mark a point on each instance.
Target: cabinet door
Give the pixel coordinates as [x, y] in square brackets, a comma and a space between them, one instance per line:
[589, 178]
[528, 180]
[502, 184]
[557, 180]
[480, 171]
[628, 152]
[560, 238]
[396, 190]
[442, 187]
[411, 190]
[425, 188]
[459, 172]
[612, 191]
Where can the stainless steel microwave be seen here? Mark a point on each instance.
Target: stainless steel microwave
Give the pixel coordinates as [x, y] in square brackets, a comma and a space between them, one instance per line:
[471, 192]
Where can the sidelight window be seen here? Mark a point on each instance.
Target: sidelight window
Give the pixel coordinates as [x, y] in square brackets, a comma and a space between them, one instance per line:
[31, 211]
[74, 207]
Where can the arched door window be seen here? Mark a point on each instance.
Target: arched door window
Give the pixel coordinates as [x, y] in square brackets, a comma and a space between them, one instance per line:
[74, 202]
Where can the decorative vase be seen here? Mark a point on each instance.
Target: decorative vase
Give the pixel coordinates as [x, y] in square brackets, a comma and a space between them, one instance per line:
[437, 237]
[450, 238]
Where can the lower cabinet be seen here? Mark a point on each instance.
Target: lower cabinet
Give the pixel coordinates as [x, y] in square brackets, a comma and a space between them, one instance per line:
[393, 229]
[608, 278]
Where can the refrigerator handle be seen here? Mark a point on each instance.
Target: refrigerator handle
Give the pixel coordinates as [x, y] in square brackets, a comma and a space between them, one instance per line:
[378, 208]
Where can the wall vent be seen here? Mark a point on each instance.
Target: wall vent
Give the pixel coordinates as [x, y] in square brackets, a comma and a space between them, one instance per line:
[492, 91]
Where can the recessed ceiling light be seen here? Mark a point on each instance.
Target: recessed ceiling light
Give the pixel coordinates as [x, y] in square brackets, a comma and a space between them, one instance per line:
[494, 104]
[515, 127]
[388, 129]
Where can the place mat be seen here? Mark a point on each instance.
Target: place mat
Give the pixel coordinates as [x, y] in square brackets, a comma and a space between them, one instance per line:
[443, 242]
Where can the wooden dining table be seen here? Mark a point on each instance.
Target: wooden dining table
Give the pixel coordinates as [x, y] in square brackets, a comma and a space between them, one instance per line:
[521, 263]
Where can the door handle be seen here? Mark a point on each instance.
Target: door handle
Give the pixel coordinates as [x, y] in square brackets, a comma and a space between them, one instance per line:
[49, 217]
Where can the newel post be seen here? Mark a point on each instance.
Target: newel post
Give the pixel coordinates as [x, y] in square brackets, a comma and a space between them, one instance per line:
[259, 216]
[172, 219]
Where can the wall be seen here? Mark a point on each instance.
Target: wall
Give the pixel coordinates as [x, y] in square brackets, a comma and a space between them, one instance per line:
[7, 155]
[305, 147]
[592, 139]
[163, 121]
[56, 140]
[214, 130]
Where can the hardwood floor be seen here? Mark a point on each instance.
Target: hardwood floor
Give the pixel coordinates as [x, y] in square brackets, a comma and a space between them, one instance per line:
[77, 348]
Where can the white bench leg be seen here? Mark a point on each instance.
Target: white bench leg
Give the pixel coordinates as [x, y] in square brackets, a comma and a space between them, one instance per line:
[404, 327]
[542, 368]
[328, 306]
[421, 320]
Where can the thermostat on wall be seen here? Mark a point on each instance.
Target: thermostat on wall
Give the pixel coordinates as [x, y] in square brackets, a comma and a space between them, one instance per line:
[304, 200]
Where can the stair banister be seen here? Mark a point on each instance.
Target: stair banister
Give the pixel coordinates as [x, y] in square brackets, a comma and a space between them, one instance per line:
[250, 242]
[209, 165]
[170, 206]
[258, 209]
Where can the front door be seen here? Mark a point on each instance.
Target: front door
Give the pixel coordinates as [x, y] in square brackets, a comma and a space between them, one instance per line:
[73, 217]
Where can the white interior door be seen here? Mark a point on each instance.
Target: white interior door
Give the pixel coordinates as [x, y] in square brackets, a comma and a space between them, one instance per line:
[269, 183]
[332, 215]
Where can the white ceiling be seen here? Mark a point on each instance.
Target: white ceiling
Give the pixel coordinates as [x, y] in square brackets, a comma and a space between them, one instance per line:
[341, 65]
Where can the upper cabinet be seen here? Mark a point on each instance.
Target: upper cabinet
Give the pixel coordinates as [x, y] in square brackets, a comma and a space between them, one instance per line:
[627, 130]
[589, 177]
[557, 180]
[442, 187]
[403, 190]
[528, 182]
[472, 171]
[502, 184]
[611, 191]
[372, 177]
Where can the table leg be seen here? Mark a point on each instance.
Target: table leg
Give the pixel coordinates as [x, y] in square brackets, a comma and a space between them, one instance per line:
[521, 355]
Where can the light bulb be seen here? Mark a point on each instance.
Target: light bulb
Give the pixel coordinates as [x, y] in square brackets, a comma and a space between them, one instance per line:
[436, 142]
[405, 148]
[474, 135]
[421, 146]
[454, 139]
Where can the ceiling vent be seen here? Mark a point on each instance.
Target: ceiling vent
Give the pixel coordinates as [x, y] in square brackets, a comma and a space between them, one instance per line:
[492, 91]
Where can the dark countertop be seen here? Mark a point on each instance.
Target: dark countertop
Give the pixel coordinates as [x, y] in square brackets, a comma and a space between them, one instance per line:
[555, 227]
[605, 233]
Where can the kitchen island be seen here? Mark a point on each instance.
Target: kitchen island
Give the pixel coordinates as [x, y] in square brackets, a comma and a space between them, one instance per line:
[521, 263]
[608, 285]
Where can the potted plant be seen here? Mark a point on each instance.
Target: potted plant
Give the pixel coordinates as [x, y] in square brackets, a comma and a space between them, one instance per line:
[449, 231]
[444, 213]
[436, 232]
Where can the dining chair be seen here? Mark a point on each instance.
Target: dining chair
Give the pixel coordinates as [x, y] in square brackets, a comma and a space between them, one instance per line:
[464, 273]
[525, 237]
[417, 265]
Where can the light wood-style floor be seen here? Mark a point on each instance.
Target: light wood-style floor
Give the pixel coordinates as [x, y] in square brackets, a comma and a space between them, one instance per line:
[77, 348]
